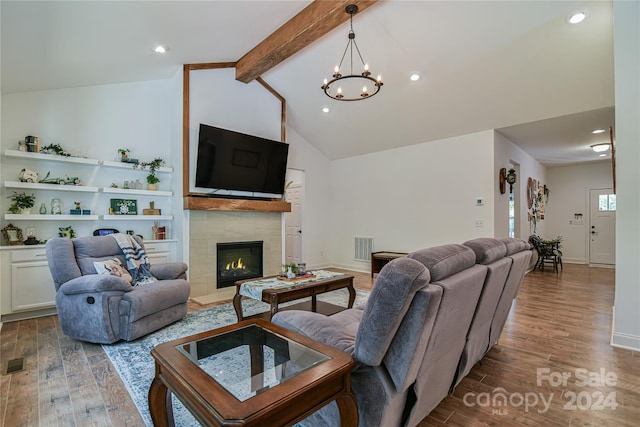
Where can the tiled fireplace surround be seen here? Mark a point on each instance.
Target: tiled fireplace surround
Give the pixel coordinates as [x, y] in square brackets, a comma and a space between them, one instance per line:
[207, 228]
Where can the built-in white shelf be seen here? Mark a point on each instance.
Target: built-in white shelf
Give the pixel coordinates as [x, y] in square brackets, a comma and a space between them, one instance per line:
[49, 217]
[124, 165]
[130, 191]
[53, 157]
[137, 217]
[52, 187]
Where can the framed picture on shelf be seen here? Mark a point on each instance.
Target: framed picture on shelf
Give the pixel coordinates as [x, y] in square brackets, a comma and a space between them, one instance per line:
[12, 235]
[124, 206]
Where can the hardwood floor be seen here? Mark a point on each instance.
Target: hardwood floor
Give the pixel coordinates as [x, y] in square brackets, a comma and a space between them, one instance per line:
[561, 323]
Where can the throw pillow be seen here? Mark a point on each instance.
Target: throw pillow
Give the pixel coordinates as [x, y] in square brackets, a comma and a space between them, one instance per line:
[113, 267]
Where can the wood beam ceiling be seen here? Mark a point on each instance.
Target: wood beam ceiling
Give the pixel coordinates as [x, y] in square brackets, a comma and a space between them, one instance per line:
[313, 22]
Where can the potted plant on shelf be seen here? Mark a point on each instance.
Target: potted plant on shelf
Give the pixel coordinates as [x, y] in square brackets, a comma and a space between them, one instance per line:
[153, 166]
[124, 153]
[21, 203]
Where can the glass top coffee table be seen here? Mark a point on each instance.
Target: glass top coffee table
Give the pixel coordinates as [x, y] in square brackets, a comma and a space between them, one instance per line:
[252, 373]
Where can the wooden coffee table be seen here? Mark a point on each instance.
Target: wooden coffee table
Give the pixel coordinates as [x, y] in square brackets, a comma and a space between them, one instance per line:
[251, 373]
[277, 292]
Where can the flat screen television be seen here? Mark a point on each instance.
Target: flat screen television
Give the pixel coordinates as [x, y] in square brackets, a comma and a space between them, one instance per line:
[235, 161]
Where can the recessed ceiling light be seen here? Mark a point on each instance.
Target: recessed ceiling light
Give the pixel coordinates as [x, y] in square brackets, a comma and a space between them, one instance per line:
[596, 131]
[599, 148]
[325, 109]
[414, 77]
[602, 155]
[161, 49]
[577, 17]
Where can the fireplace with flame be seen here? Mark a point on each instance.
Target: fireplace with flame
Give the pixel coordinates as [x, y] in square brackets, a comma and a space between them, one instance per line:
[238, 261]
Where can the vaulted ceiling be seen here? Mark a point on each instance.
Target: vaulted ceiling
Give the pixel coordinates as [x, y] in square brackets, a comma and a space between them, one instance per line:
[484, 64]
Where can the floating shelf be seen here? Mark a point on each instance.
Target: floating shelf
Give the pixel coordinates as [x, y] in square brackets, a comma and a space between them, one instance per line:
[49, 217]
[111, 190]
[52, 187]
[137, 217]
[123, 165]
[52, 157]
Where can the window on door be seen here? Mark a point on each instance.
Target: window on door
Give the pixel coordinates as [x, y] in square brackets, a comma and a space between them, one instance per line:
[512, 216]
[606, 202]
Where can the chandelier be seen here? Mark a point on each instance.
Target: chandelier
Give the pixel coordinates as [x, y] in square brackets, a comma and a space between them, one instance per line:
[356, 86]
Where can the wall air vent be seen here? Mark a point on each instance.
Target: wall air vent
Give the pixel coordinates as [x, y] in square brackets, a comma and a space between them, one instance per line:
[363, 248]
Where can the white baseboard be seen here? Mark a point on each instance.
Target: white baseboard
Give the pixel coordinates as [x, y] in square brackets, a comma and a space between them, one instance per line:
[626, 341]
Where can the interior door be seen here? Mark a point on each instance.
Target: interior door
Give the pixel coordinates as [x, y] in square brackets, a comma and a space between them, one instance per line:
[602, 230]
[293, 225]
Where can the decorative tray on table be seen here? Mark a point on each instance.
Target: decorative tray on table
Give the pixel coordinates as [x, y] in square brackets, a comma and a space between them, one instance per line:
[297, 278]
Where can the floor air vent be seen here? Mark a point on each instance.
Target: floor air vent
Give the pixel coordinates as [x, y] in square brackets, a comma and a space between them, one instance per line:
[13, 366]
[363, 248]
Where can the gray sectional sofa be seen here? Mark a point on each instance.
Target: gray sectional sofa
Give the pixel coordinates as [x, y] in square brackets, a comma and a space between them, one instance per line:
[429, 319]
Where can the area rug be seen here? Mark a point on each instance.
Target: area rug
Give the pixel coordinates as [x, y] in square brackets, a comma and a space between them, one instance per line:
[134, 363]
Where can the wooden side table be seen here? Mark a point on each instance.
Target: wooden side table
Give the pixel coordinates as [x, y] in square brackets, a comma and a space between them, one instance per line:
[380, 259]
[251, 373]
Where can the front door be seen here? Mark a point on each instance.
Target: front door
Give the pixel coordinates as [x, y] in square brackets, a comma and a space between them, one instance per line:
[602, 230]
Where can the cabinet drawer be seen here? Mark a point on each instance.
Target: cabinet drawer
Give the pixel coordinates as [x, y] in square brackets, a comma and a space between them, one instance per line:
[154, 247]
[36, 254]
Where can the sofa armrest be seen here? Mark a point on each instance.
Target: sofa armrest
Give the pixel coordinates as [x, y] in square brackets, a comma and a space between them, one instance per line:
[95, 283]
[327, 330]
[169, 270]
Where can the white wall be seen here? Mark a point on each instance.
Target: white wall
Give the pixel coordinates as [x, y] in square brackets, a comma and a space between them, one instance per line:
[626, 328]
[412, 197]
[317, 227]
[93, 122]
[569, 194]
[506, 152]
[216, 98]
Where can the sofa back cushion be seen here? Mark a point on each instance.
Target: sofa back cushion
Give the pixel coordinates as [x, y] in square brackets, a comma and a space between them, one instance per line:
[487, 249]
[90, 249]
[389, 301]
[445, 260]
[62, 261]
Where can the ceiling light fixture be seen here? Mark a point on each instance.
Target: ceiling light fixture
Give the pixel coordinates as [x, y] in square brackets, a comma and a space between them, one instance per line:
[599, 148]
[597, 131]
[161, 49]
[325, 109]
[352, 82]
[414, 77]
[577, 17]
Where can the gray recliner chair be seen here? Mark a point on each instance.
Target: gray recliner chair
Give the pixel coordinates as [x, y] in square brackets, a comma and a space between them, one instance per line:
[103, 308]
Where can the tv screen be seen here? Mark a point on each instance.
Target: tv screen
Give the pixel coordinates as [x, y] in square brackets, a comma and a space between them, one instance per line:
[235, 161]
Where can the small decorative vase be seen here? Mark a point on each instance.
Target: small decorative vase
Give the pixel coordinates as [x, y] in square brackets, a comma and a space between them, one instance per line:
[152, 187]
[43, 209]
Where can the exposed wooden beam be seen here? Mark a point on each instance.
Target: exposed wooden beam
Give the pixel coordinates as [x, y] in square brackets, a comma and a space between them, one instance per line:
[313, 22]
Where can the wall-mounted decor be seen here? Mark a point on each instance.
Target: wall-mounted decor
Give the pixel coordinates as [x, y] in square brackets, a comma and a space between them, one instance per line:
[530, 191]
[502, 180]
[511, 179]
